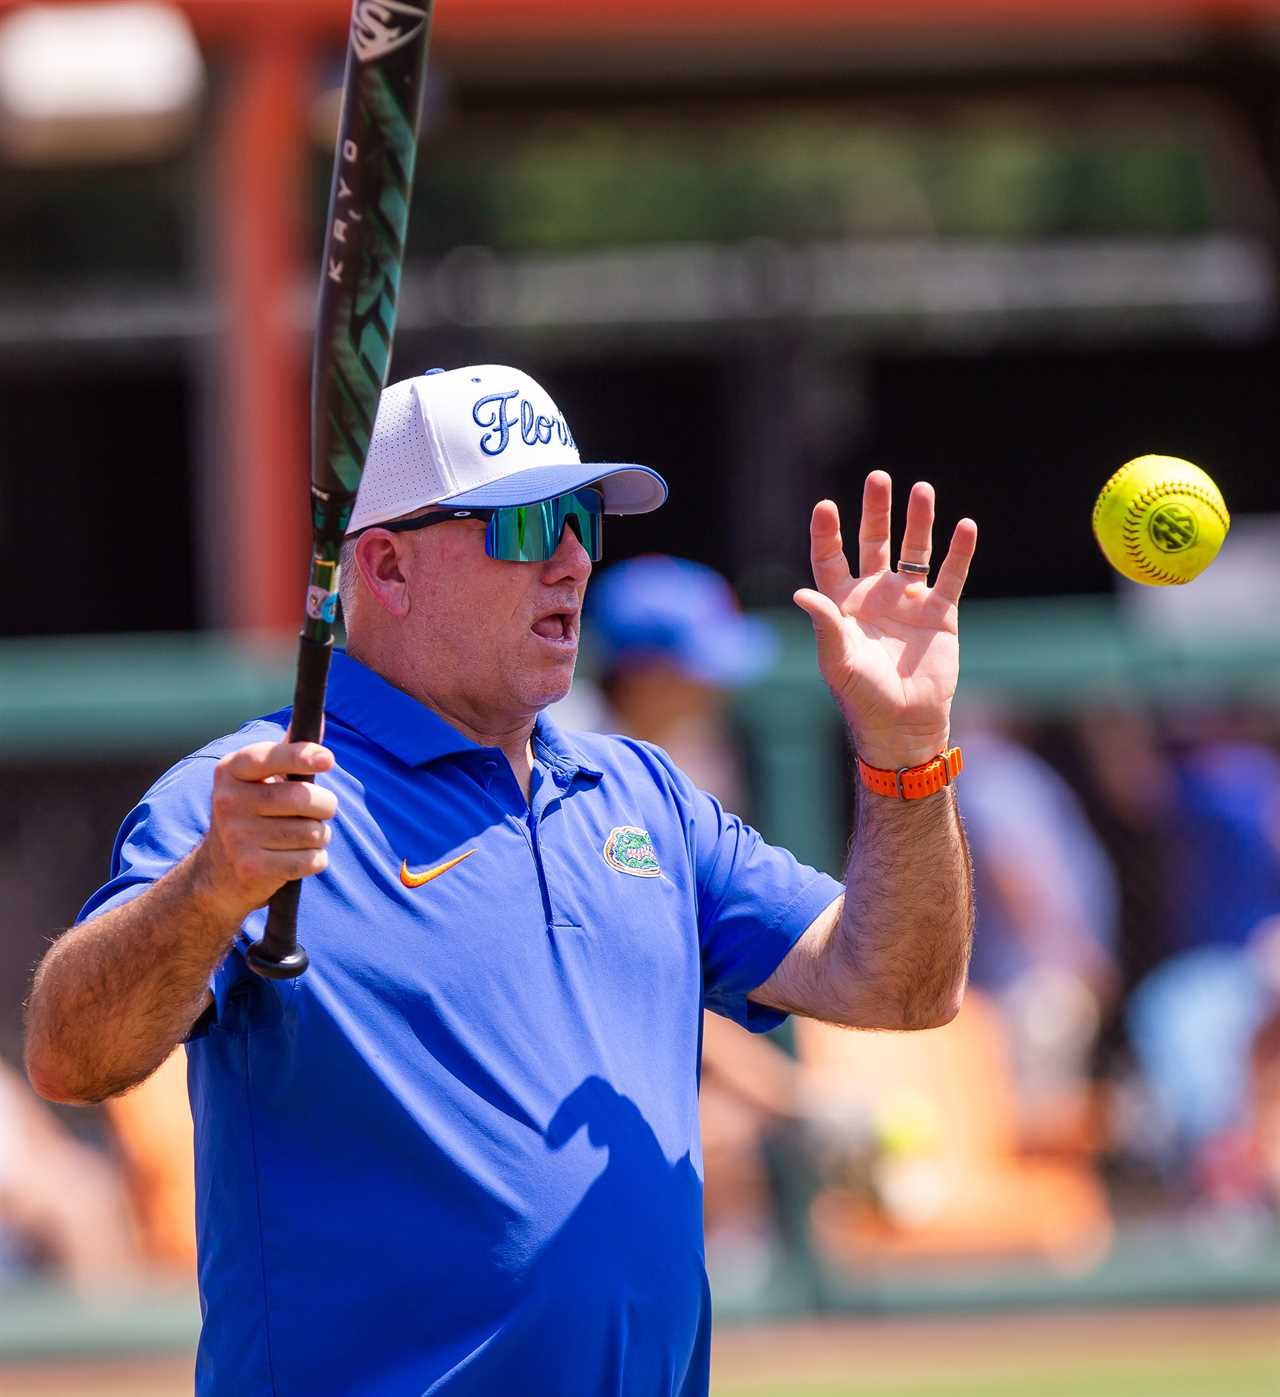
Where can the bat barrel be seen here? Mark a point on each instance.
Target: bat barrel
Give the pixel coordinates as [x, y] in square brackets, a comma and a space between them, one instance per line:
[359, 292]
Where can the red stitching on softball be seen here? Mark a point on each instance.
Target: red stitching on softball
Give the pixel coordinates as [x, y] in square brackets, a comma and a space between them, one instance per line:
[1132, 527]
[1131, 530]
[1197, 492]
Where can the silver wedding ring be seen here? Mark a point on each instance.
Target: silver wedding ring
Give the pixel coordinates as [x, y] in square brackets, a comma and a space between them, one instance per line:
[915, 569]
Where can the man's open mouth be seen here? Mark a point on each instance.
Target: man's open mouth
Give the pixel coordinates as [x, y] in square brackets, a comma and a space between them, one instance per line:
[557, 625]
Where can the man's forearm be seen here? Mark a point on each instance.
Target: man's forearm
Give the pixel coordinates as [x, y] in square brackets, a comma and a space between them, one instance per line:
[114, 996]
[894, 951]
[903, 939]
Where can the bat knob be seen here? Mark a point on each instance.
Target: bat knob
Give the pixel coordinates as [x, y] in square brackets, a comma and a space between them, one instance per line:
[271, 967]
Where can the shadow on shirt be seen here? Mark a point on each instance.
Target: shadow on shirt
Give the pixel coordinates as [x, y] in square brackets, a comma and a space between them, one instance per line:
[616, 1302]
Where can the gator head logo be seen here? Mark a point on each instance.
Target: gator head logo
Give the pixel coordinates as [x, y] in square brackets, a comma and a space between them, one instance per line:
[630, 850]
[379, 27]
[1173, 528]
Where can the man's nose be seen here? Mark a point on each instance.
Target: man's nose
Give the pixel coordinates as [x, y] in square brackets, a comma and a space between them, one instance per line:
[570, 559]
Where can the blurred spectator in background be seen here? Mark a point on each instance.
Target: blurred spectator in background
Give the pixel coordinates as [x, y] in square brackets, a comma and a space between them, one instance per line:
[1264, 1075]
[154, 1139]
[1048, 913]
[1195, 1020]
[942, 1174]
[957, 1113]
[1119, 764]
[63, 1209]
[671, 643]
[1228, 841]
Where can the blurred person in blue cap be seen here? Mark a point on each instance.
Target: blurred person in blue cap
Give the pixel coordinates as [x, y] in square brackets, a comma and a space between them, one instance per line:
[461, 1155]
[671, 643]
[661, 609]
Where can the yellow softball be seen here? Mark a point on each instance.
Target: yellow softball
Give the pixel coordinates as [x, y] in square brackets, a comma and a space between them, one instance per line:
[1160, 521]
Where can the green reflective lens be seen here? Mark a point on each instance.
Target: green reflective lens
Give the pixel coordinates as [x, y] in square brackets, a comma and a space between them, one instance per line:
[531, 533]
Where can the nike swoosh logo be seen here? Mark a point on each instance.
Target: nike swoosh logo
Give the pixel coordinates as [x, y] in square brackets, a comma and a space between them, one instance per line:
[416, 880]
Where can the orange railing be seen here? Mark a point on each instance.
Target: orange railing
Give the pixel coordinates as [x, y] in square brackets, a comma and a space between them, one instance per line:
[544, 22]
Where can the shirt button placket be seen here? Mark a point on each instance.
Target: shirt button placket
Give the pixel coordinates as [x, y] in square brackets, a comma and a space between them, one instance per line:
[550, 783]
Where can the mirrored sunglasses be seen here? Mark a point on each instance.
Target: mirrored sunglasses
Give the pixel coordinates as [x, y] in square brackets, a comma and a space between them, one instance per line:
[525, 533]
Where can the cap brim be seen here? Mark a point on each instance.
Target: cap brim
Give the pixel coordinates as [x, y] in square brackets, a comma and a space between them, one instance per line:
[627, 489]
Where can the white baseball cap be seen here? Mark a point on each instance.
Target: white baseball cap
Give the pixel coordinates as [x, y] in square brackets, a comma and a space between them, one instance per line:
[480, 438]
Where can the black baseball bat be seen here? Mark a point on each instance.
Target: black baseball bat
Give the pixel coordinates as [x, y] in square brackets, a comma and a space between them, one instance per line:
[356, 317]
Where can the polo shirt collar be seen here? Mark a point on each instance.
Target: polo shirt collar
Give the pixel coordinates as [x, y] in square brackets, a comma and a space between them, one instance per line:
[365, 701]
[409, 730]
[558, 750]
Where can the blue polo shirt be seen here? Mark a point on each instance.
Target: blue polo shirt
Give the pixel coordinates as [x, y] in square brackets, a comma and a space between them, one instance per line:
[460, 1154]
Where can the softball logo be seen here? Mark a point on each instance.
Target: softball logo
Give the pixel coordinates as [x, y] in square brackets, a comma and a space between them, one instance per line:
[629, 849]
[1173, 528]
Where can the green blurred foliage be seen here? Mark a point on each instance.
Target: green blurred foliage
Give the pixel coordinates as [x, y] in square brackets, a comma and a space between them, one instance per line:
[721, 172]
[563, 183]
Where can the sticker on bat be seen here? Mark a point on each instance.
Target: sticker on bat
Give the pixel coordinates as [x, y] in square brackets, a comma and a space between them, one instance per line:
[322, 605]
[380, 27]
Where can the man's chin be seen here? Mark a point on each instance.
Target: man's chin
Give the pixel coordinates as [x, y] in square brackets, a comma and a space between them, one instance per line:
[551, 685]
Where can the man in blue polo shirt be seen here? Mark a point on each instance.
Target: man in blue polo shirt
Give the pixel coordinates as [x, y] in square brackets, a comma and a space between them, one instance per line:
[460, 1155]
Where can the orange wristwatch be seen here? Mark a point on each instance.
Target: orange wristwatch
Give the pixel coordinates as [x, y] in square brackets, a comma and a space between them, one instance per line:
[913, 782]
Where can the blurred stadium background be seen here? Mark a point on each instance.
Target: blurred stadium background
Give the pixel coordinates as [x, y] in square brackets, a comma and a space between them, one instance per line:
[1003, 246]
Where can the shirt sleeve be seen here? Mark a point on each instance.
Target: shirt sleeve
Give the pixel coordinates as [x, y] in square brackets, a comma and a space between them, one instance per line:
[755, 901]
[158, 833]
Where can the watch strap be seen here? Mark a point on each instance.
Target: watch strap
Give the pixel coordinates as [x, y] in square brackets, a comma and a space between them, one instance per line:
[914, 782]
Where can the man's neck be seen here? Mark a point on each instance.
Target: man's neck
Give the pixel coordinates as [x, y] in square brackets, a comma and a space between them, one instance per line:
[512, 733]
[515, 740]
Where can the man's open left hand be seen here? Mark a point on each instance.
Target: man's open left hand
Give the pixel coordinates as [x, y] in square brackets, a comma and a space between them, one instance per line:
[888, 643]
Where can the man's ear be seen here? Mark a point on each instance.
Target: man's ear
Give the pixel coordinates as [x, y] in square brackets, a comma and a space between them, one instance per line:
[378, 559]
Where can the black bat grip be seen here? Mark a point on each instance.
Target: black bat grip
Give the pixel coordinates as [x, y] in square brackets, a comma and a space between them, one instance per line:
[278, 956]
